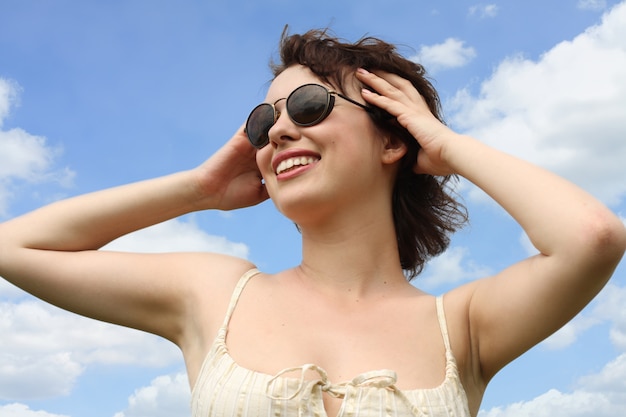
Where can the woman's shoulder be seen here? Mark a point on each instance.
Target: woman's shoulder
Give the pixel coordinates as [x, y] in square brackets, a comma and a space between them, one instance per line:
[217, 274]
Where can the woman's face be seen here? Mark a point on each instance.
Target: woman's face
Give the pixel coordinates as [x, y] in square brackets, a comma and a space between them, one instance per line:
[311, 170]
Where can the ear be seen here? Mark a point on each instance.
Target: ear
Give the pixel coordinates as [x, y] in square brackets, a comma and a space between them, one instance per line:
[393, 149]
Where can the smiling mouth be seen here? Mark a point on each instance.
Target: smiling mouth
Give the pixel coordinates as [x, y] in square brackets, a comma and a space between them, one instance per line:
[292, 163]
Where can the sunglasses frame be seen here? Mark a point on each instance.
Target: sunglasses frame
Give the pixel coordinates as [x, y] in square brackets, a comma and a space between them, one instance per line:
[330, 103]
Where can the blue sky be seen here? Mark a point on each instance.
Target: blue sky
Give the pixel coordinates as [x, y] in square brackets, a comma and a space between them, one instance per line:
[96, 94]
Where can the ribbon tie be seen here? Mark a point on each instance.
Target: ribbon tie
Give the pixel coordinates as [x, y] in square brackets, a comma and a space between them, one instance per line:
[374, 379]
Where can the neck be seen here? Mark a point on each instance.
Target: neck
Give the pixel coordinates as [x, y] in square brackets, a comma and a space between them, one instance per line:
[353, 257]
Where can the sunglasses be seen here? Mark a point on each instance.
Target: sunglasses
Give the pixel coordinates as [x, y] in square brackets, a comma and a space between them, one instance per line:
[307, 105]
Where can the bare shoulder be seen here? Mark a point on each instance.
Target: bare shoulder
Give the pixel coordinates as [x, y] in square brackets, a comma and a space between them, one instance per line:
[212, 280]
[217, 271]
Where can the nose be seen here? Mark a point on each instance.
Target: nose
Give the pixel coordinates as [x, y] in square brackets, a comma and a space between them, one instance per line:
[283, 129]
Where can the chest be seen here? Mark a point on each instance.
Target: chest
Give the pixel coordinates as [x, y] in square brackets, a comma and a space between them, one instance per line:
[399, 335]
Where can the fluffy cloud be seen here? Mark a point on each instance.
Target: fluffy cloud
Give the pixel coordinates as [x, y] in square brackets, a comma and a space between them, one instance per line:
[569, 333]
[166, 396]
[564, 111]
[451, 267]
[452, 53]
[608, 306]
[23, 157]
[9, 291]
[176, 236]
[598, 395]
[26, 377]
[610, 381]
[44, 350]
[21, 410]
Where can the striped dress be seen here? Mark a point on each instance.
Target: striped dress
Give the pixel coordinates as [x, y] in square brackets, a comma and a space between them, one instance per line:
[225, 389]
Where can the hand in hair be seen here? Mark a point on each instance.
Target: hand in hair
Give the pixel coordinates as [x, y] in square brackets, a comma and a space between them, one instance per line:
[401, 99]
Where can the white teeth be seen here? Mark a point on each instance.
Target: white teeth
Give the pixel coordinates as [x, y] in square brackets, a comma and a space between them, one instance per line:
[291, 162]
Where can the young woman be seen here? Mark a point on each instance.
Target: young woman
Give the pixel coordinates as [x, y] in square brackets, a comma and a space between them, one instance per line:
[349, 146]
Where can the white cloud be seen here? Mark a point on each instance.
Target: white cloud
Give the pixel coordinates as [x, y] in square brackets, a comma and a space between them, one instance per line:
[609, 306]
[591, 4]
[37, 376]
[24, 157]
[21, 410]
[177, 236]
[569, 333]
[166, 396]
[557, 404]
[452, 53]
[9, 291]
[598, 395]
[564, 111]
[484, 10]
[43, 350]
[451, 267]
[611, 381]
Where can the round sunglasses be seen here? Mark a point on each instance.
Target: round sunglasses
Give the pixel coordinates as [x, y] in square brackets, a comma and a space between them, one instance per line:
[307, 105]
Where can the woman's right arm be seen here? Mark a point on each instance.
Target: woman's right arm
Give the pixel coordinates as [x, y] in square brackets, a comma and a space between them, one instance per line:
[53, 252]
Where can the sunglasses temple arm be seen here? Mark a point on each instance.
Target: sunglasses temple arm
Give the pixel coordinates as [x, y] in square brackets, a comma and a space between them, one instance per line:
[369, 109]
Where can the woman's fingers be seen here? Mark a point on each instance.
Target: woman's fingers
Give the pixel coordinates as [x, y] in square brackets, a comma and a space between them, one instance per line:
[399, 97]
[393, 87]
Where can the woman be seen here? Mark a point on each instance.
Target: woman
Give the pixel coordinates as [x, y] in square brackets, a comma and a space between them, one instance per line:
[358, 159]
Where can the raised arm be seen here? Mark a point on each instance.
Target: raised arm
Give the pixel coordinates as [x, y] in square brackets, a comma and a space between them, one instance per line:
[52, 252]
[580, 241]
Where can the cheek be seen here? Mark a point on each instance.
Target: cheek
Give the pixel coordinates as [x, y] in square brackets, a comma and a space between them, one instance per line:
[264, 162]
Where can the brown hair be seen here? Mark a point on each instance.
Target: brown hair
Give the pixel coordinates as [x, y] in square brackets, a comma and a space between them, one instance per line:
[424, 212]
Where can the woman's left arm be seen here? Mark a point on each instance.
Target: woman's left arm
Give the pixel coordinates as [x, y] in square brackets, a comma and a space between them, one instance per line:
[580, 241]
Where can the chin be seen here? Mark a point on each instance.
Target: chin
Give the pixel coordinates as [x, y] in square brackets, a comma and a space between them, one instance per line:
[302, 210]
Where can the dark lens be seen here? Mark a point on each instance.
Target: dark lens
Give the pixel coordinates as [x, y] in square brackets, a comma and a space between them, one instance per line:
[308, 105]
[259, 122]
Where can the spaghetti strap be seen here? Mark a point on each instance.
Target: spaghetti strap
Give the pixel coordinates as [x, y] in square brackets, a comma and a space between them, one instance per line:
[441, 316]
[236, 294]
